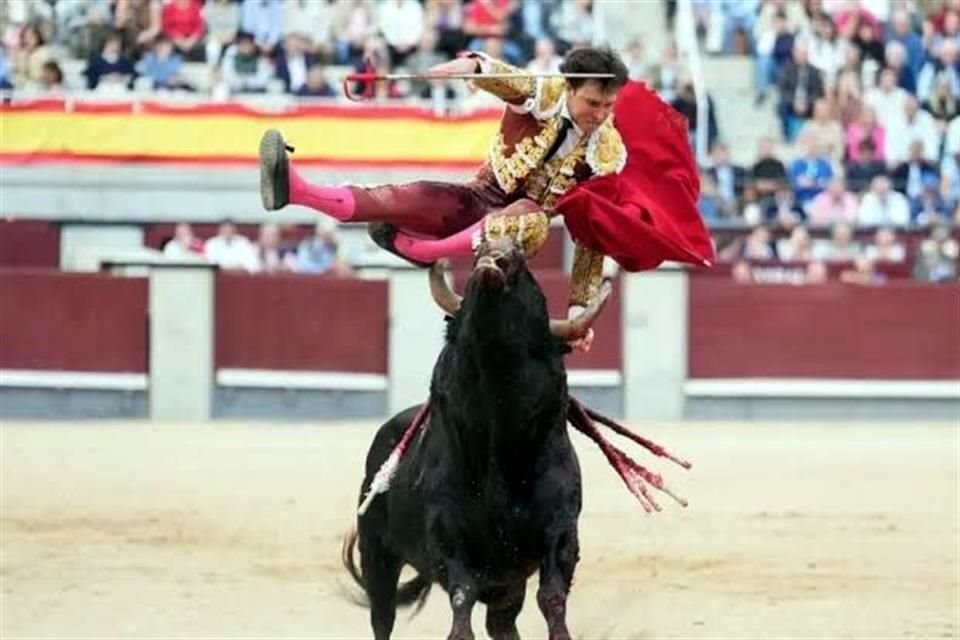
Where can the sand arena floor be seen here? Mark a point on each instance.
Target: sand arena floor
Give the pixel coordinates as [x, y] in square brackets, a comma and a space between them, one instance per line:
[233, 531]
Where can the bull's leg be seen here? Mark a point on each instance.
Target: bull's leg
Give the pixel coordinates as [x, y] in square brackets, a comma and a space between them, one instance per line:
[503, 607]
[381, 572]
[463, 595]
[556, 577]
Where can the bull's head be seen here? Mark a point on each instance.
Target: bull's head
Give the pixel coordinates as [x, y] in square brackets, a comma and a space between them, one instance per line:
[500, 268]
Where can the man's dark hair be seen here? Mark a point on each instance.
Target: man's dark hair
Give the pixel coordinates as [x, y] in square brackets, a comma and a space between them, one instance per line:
[591, 60]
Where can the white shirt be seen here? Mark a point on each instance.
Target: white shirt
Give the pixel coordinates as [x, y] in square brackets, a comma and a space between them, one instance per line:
[952, 144]
[895, 210]
[401, 23]
[236, 253]
[888, 106]
[923, 127]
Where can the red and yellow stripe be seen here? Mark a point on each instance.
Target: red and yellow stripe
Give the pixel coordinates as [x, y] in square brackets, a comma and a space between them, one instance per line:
[364, 135]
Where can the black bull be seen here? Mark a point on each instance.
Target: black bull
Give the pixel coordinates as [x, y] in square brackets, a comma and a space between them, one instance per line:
[489, 492]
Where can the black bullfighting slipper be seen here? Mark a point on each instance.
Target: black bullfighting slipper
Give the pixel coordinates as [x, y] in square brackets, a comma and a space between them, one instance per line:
[384, 235]
[274, 188]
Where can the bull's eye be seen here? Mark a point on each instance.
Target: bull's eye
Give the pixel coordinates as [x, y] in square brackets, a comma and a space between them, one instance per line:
[502, 262]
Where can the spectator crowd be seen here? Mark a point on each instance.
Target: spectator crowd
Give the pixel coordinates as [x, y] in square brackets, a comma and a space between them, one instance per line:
[866, 95]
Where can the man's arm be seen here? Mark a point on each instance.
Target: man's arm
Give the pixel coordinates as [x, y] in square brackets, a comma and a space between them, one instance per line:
[515, 90]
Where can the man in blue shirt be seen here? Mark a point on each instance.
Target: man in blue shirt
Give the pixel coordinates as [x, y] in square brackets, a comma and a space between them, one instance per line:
[810, 173]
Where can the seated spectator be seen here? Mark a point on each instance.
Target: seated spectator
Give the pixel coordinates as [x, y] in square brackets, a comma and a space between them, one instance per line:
[940, 68]
[810, 173]
[728, 177]
[222, 18]
[110, 68]
[182, 22]
[834, 205]
[862, 172]
[950, 30]
[910, 175]
[320, 252]
[942, 104]
[263, 19]
[665, 76]
[710, 203]
[577, 23]
[950, 179]
[82, 26]
[841, 247]
[846, 102]
[183, 244]
[139, 22]
[774, 49]
[51, 76]
[486, 19]
[937, 258]
[768, 173]
[864, 272]
[162, 65]
[5, 77]
[887, 101]
[784, 210]
[313, 19]
[897, 63]
[825, 131]
[901, 32]
[317, 85]
[916, 125]
[758, 245]
[230, 250]
[545, 58]
[29, 59]
[866, 128]
[929, 206]
[867, 39]
[686, 103]
[635, 59]
[885, 247]
[244, 70]
[401, 23]
[800, 86]
[444, 19]
[273, 256]
[751, 212]
[796, 248]
[293, 61]
[882, 206]
[827, 49]
[353, 24]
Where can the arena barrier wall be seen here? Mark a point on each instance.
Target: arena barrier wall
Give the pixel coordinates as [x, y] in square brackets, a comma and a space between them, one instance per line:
[670, 345]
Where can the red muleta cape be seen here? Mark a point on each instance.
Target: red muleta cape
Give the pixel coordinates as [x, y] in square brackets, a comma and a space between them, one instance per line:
[647, 213]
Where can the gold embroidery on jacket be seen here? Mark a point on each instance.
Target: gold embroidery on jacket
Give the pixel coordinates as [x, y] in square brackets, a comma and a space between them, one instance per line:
[587, 275]
[527, 155]
[606, 152]
[549, 97]
[517, 88]
[529, 229]
[550, 181]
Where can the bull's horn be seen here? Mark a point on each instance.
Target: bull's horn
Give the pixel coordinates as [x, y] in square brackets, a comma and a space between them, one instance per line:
[576, 328]
[445, 298]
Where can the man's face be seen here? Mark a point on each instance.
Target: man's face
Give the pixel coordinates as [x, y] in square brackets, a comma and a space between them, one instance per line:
[589, 105]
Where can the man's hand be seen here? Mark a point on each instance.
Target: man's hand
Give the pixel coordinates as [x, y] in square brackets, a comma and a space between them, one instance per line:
[583, 344]
[455, 67]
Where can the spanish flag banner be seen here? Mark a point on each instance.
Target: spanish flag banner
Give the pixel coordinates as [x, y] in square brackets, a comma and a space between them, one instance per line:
[359, 135]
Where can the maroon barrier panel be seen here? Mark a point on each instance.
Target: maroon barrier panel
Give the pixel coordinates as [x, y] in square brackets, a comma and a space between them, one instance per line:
[607, 345]
[29, 243]
[73, 322]
[301, 323]
[900, 331]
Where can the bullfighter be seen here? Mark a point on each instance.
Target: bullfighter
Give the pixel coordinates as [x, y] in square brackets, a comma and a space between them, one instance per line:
[604, 152]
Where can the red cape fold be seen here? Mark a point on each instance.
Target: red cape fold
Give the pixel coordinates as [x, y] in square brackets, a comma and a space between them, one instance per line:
[647, 213]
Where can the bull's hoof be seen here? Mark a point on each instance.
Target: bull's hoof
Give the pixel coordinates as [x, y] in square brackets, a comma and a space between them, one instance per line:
[274, 171]
[384, 236]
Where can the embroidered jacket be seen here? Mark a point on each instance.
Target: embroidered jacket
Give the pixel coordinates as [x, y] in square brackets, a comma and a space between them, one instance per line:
[531, 124]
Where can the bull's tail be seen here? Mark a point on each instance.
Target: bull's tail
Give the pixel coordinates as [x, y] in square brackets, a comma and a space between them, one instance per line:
[411, 592]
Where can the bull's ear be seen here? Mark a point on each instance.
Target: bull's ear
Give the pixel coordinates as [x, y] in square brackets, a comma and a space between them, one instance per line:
[578, 327]
[442, 294]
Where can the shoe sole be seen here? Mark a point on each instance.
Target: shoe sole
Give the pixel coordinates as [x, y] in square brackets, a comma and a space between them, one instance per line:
[271, 148]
